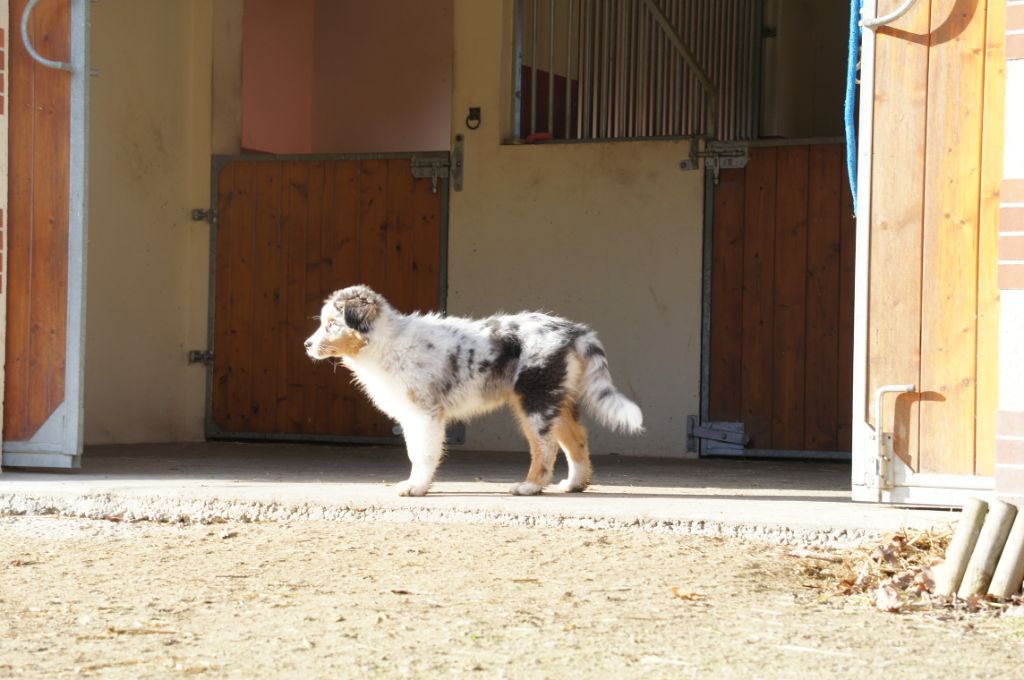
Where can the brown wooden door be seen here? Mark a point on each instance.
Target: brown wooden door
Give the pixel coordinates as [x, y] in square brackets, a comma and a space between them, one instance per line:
[42, 415]
[289, 232]
[781, 322]
[929, 192]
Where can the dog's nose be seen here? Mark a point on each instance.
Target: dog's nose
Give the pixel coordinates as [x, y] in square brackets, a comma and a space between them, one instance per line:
[308, 344]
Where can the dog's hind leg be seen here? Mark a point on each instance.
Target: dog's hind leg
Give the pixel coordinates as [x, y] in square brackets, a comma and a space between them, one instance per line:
[543, 450]
[572, 437]
[424, 442]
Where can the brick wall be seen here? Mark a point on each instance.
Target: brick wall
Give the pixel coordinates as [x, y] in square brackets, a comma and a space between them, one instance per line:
[1010, 419]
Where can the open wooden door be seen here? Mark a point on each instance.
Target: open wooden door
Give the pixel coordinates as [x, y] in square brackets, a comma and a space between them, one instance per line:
[48, 96]
[926, 321]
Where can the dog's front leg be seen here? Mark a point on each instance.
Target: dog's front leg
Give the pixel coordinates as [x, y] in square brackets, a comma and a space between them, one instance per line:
[424, 442]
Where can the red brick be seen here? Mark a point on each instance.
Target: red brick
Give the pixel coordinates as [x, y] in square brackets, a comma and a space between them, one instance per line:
[1009, 480]
[1012, 191]
[1011, 277]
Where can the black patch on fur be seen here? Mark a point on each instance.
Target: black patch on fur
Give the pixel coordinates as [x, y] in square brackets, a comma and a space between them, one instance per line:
[507, 349]
[594, 350]
[453, 362]
[430, 345]
[355, 318]
[605, 393]
[471, 359]
[540, 388]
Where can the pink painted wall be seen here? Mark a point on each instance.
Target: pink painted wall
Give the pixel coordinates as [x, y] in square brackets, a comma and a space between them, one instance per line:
[277, 76]
[383, 76]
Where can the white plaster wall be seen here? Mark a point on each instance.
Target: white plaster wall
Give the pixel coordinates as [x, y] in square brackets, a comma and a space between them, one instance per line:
[147, 261]
[608, 234]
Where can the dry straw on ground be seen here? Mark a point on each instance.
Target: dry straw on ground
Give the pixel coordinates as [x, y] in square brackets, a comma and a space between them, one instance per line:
[895, 576]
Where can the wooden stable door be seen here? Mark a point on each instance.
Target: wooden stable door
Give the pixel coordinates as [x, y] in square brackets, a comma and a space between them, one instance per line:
[46, 223]
[289, 232]
[930, 172]
[781, 322]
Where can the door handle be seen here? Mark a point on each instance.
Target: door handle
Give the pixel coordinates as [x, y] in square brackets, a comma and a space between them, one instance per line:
[49, 63]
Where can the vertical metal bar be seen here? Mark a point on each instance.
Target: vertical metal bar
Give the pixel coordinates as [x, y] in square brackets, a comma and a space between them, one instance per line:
[551, 67]
[755, 70]
[620, 67]
[602, 127]
[533, 69]
[568, 73]
[584, 64]
[517, 76]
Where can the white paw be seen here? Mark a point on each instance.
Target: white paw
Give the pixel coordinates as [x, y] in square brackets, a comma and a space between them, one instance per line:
[569, 486]
[525, 489]
[407, 488]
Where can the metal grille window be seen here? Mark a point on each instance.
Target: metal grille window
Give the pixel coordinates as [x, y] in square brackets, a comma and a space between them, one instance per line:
[636, 69]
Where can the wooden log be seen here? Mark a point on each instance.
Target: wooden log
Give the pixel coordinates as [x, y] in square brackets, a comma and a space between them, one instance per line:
[988, 548]
[949, 575]
[1010, 571]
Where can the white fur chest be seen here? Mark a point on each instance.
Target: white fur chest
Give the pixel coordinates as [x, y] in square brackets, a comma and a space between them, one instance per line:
[390, 395]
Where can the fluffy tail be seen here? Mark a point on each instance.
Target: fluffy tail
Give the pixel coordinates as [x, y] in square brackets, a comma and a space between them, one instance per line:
[599, 394]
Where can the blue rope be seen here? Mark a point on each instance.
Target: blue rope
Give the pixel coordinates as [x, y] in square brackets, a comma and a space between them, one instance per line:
[851, 96]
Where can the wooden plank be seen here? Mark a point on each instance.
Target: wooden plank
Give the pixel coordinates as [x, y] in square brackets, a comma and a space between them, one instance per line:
[821, 379]
[373, 266]
[949, 298]
[297, 367]
[897, 197]
[267, 283]
[21, 102]
[339, 247]
[240, 299]
[400, 227]
[726, 350]
[790, 314]
[426, 247]
[988, 241]
[49, 269]
[847, 265]
[315, 399]
[223, 339]
[758, 296]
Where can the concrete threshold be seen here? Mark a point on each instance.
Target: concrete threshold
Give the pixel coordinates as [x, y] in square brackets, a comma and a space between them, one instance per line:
[790, 502]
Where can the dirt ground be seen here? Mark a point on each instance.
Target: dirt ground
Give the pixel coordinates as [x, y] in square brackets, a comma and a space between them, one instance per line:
[365, 599]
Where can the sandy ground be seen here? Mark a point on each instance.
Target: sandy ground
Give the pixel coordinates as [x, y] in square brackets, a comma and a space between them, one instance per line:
[369, 599]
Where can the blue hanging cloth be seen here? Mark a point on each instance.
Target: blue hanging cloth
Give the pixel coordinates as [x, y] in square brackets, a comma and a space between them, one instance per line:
[851, 96]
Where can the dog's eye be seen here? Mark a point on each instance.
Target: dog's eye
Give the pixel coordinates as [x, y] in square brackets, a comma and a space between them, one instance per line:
[333, 326]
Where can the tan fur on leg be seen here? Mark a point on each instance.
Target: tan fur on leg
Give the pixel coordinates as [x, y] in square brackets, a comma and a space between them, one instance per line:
[572, 437]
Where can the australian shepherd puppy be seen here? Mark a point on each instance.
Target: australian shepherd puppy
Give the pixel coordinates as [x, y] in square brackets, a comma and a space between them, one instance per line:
[426, 370]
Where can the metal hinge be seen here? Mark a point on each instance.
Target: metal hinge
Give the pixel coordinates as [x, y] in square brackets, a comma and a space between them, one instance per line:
[432, 168]
[716, 156]
[204, 215]
[720, 437]
[200, 356]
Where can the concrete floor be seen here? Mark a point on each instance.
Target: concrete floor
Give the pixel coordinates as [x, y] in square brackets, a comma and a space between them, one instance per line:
[779, 501]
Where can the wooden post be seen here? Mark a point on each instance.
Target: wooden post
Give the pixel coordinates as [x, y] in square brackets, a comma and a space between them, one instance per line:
[948, 576]
[1010, 570]
[988, 548]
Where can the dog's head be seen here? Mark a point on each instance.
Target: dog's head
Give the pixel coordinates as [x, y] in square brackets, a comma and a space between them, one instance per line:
[346, 321]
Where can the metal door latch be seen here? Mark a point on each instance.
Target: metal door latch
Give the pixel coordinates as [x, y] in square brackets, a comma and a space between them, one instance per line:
[200, 356]
[204, 215]
[716, 157]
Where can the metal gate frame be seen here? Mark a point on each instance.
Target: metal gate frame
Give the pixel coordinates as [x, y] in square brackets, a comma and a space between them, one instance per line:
[438, 159]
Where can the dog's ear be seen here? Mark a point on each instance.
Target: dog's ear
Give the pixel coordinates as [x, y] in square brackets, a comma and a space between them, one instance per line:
[360, 310]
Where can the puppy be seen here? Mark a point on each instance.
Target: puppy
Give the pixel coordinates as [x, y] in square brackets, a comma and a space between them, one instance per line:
[424, 371]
